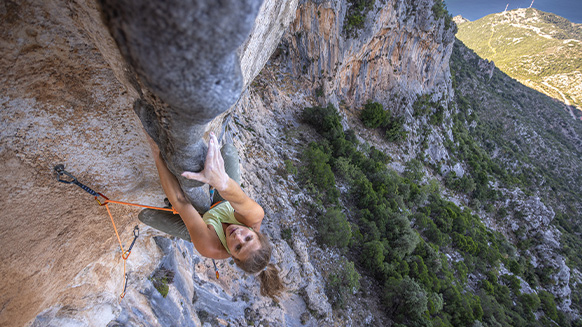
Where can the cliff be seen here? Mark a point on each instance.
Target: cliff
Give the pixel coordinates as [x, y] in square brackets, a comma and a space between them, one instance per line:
[68, 96]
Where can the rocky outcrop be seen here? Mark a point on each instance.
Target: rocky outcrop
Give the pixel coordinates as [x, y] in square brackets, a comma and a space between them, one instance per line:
[187, 59]
[531, 219]
[402, 49]
[460, 19]
[184, 56]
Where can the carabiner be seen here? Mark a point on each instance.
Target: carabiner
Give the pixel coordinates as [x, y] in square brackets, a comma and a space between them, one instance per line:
[105, 201]
[60, 171]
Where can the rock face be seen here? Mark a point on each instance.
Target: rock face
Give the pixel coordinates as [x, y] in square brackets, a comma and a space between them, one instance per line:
[69, 96]
[460, 19]
[402, 48]
[184, 54]
[186, 58]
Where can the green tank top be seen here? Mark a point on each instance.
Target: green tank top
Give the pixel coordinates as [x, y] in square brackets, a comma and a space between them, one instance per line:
[221, 213]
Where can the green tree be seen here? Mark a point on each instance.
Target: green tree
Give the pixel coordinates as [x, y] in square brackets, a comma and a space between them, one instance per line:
[373, 115]
[318, 172]
[373, 257]
[413, 170]
[334, 229]
[364, 192]
[548, 304]
[531, 302]
[405, 299]
[326, 121]
[395, 129]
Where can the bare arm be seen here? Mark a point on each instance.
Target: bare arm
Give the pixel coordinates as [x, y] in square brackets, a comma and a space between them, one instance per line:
[246, 209]
[200, 234]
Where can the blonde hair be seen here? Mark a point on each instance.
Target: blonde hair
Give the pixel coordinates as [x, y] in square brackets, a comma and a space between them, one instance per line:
[268, 274]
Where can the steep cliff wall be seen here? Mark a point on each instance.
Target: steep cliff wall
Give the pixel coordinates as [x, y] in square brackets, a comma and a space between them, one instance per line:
[68, 96]
[402, 48]
[62, 103]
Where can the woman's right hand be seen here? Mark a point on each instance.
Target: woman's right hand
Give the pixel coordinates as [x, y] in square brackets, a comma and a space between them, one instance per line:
[213, 172]
[152, 144]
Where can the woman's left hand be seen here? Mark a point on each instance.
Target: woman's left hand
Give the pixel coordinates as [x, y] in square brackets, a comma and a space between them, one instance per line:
[213, 172]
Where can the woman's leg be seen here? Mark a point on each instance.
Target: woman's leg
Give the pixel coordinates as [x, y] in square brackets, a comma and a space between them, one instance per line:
[166, 222]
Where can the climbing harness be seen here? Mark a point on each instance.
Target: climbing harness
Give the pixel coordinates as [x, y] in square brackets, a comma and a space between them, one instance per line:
[65, 177]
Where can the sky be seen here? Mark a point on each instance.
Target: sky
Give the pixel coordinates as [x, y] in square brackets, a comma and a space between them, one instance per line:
[475, 9]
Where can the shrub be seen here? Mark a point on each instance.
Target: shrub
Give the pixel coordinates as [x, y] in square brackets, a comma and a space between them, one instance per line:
[318, 172]
[379, 156]
[351, 136]
[438, 117]
[373, 257]
[364, 193]
[513, 283]
[161, 278]
[342, 282]
[548, 304]
[334, 229]
[373, 115]
[326, 121]
[405, 299]
[414, 170]
[289, 167]
[531, 302]
[422, 105]
[440, 10]
[356, 16]
[395, 129]
[346, 170]
[487, 287]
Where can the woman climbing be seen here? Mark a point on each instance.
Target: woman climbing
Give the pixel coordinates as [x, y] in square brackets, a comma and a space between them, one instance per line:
[231, 228]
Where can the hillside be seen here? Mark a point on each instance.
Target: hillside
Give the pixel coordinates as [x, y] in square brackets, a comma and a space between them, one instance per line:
[539, 148]
[539, 49]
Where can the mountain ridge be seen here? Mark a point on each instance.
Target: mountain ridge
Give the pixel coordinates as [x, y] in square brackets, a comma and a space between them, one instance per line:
[539, 49]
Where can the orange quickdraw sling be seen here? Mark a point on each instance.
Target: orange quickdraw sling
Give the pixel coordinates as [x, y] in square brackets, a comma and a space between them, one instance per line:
[65, 177]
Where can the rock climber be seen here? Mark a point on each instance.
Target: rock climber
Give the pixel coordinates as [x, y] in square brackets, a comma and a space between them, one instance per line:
[231, 228]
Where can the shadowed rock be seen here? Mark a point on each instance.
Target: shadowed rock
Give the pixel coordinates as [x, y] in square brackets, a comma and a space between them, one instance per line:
[184, 55]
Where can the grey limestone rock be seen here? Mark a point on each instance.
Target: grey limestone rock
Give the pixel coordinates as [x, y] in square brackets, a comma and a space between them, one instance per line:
[314, 291]
[185, 57]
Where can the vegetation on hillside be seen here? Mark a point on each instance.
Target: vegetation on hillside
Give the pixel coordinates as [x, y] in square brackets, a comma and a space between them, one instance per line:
[536, 145]
[541, 50]
[432, 262]
[356, 16]
[435, 263]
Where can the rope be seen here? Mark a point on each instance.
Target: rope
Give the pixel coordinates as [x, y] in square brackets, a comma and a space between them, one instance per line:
[125, 254]
[106, 201]
[64, 177]
[61, 172]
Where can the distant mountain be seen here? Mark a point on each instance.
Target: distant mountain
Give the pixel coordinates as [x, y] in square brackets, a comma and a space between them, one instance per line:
[539, 49]
[460, 19]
